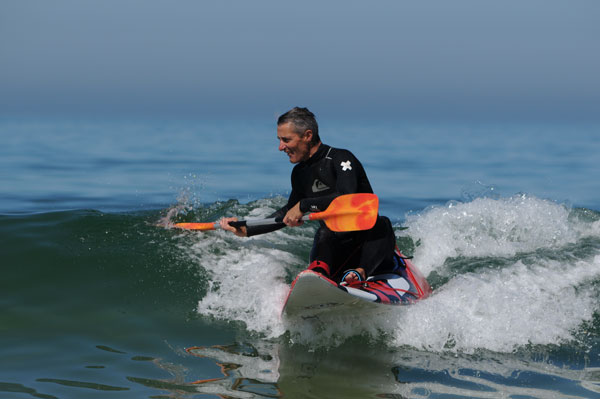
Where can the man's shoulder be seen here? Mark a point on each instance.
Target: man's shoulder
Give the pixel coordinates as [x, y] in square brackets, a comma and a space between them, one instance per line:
[339, 153]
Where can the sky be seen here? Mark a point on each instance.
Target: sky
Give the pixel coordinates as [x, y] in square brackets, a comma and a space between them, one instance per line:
[397, 60]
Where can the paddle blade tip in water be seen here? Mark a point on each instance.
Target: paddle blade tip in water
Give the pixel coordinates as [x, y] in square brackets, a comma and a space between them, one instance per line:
[195, 226]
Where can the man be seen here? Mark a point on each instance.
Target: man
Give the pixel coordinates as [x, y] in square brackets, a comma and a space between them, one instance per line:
[321, 174]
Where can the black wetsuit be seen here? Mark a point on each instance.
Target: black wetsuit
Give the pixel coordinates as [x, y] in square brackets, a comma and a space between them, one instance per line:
[329, 173]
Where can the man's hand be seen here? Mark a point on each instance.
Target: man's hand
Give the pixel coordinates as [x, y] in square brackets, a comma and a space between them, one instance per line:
[239, 231]
[293, 217]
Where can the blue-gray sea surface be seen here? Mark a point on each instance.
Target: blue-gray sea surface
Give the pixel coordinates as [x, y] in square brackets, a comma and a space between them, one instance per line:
[100, 299]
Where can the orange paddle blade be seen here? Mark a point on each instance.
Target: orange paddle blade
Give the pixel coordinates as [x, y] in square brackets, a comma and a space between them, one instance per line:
[196, 226]
[350, 212]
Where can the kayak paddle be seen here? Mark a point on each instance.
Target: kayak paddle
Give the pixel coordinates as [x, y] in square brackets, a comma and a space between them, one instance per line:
[349, 212]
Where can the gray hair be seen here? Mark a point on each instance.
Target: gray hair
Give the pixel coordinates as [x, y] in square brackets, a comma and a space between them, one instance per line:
[303, 120]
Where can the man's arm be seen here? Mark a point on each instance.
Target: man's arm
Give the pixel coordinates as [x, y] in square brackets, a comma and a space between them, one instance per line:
[293, 203]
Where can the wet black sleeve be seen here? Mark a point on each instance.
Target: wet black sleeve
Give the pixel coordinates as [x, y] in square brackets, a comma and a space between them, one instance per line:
[256, 230]
[280, 213]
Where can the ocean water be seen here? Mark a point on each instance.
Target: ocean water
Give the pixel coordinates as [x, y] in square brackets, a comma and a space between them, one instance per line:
[100, 298]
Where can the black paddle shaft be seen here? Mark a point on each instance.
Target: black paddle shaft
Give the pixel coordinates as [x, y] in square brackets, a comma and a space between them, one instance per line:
[262, 222]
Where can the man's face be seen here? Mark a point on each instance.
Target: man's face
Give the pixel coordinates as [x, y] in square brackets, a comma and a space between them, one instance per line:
[296, 146]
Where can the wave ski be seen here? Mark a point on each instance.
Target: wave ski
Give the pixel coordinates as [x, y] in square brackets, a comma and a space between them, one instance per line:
[312, 294]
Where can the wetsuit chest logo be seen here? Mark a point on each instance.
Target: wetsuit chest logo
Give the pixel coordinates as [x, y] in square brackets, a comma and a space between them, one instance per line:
[319, 186]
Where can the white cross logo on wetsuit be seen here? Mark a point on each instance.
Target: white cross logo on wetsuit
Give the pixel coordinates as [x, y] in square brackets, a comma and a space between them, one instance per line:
[346, 166]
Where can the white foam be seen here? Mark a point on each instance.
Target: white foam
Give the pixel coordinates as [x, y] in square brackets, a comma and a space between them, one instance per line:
[248, 285]
[502, 309]
[489, 227]
[535, 300]
[246, 280]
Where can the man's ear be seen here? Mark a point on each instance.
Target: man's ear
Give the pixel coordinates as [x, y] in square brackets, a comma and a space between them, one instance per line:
[308, 135]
